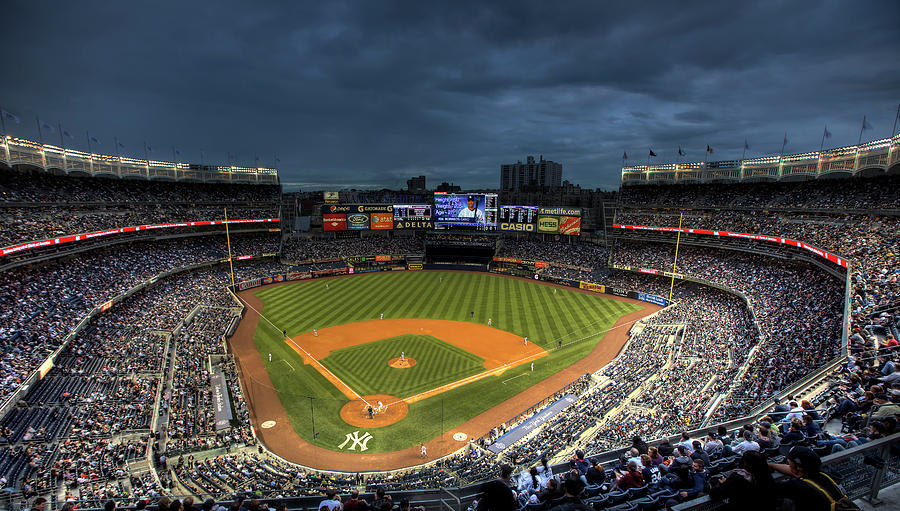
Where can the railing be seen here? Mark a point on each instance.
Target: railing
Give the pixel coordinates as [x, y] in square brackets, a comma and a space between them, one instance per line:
[19, 151]
[879, 154]
[862, 472]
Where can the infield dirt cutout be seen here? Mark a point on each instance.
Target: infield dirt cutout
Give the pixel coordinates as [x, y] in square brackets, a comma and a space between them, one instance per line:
[356, 412]
[500, 350]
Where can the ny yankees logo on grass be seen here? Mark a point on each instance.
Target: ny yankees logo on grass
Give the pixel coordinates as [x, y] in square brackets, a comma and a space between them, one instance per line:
[361, 440]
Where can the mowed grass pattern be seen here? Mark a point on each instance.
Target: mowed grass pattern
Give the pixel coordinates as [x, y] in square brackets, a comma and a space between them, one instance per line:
[564, 322]
[365, 367]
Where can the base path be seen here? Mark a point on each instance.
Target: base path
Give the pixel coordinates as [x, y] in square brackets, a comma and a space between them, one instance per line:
[265, 405]
[500, 350]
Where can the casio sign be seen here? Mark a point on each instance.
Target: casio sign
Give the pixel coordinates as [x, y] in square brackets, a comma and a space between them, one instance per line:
[517, 227]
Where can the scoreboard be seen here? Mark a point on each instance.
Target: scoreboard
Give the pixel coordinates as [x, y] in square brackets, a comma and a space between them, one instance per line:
[412, 211]
[518, 214]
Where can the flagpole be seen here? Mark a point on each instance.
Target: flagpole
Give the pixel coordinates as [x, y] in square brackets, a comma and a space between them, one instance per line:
[861, 129]
[61, 143]
[228, 240]
[744, 152]
[41, 134]
[822, 146]
[895, 121]
[3, 122]
[674, 263]
[783, 143]
[90, 152]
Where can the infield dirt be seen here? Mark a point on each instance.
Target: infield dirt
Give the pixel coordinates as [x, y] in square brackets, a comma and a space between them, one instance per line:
[265, 404]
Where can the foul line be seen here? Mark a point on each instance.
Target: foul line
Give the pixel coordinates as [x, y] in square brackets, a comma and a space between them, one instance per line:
[319, 365]
[513, 378]
[289, 364]
[449, 386]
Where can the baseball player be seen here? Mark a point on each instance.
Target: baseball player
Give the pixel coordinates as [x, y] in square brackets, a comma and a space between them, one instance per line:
[270, 357]
[532, 367]
[315, 333]
[489, 321]
[526, 341]
[382, 315]
[424, 451]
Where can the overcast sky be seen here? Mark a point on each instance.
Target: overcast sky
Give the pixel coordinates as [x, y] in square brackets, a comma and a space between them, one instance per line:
[369, 93]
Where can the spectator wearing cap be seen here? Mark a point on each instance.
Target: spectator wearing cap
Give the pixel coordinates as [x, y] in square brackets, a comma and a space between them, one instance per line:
[748, 444]
[595, 474]
[806, 485]
[699, 483]
[699, 453]
[885, 408]
[794, 434]
[665, 448]
[497, 495]
[572, 487]
[581, 465]
[713, 446]
[780, 409]
[747, 488]
[795, 413]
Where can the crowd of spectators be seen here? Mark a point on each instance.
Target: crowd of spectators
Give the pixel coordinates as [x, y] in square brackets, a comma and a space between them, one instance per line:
[584, 255]
[838, 194]
[298, 249]
[42, 187]
[40, 304]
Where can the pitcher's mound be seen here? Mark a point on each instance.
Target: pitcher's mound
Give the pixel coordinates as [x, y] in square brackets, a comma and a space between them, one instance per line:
[356, 413]
[402, 363]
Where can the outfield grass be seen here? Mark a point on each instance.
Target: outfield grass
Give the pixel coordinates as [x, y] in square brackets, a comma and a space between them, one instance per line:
[364, 367]
[575, 320]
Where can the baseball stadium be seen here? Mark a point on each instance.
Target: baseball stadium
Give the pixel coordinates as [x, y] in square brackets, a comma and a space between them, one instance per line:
[331, 294]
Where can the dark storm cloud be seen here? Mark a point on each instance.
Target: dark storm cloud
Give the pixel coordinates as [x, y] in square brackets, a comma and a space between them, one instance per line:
[370, 93]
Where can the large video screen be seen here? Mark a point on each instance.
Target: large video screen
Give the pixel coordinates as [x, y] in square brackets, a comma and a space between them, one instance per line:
[477, 211]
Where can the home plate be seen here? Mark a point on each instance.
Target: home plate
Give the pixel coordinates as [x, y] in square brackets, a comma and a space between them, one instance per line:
[267, 425]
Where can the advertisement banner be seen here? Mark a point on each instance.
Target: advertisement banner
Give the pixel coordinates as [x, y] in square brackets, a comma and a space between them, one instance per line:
[413, 224]
[558, 211]
[334, 222]
[840, 261]
[384, 257]
[414, 266]
[105, 307]
[247, 284]
[648, 270]
[541, 264]
[381, 221]
[647, 297]
[267, 280]
[590, 286]
[332, 197]
[570, 225]
[615, 291]
[534, 422]
[548, 224]
[299, 276]
[357, 221]
[357, 208]
[506, 226]
[221, 402]
[91, 235]
[507, 260]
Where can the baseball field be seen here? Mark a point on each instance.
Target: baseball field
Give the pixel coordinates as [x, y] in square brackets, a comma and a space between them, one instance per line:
[417, 346]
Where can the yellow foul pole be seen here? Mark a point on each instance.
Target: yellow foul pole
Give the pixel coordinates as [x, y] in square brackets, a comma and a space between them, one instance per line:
[228, 240]
[677, 241]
